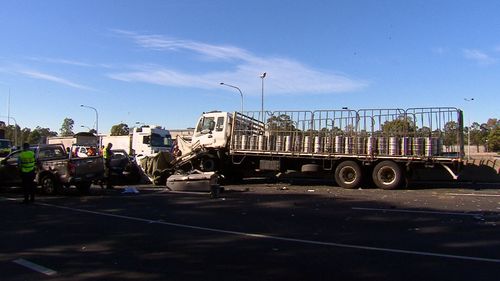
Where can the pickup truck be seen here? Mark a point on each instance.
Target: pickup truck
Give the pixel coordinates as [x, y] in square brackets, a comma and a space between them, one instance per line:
[55, 169]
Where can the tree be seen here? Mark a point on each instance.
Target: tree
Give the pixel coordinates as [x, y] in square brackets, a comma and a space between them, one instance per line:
[38, 135]
[424, 132]
[121, 129]
[494, 139]
[67, 127]
[34, 137]
[398, 127]
[282, 123]
[450, 133]
[25, 134]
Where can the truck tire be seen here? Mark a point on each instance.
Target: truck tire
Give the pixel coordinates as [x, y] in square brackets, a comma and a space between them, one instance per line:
[387, 175]
[208, 164]
[84, 187]
[348, 174]
[49, 185]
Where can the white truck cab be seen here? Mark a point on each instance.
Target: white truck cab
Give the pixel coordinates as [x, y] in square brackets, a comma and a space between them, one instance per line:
[148, 140]
[213, 129]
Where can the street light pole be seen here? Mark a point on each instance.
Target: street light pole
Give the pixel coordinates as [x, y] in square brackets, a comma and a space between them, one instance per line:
[96, 123]
[241, 94]
[262, 76]
[468, 133]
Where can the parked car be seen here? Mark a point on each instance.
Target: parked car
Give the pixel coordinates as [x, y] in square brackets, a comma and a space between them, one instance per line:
[123, 167]
[55, 169]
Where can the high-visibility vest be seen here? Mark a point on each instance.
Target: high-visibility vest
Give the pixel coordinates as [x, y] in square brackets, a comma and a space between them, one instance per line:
[105, 153]
[27, 161]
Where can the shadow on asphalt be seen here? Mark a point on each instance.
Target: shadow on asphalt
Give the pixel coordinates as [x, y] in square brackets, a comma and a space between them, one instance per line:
[93, 247]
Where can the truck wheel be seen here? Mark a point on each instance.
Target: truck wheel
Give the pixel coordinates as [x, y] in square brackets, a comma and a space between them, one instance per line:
[208, 165]
[387, 175]
[348, 174]
[84, 187]
[49, 185]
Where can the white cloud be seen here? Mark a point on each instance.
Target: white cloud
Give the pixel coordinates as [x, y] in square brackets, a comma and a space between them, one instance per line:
[68, 62]
[479, 56]
[285, 76]
[52, 78]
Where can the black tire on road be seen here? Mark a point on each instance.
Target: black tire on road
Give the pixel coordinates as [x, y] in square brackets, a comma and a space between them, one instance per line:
[348, 174]
[208, 164]
[387, 175]
[84, 187]
[49, 185]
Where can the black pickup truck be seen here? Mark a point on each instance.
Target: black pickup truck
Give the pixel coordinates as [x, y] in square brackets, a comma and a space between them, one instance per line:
[55, 169]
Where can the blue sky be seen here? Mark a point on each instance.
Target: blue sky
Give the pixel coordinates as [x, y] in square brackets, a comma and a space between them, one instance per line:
[161, 62]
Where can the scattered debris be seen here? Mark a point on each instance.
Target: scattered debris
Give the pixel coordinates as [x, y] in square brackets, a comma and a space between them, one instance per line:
[130, 190]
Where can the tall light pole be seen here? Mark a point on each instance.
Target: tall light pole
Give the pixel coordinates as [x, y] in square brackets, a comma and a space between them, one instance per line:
[468, 133]
[96, 123]
[241, 94]
[262, 76]
[15, 127]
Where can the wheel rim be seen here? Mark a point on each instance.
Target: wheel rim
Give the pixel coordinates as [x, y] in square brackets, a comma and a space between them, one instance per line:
[386, 175]
[348, 175]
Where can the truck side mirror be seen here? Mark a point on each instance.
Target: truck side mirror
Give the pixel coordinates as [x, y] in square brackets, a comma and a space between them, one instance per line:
[146, 140]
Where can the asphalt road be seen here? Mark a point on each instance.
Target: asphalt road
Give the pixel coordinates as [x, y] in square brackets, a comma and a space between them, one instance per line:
[254, 232]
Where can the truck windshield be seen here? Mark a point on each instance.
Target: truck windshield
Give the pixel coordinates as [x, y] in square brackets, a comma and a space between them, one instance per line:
[206, 123]
[159, 141]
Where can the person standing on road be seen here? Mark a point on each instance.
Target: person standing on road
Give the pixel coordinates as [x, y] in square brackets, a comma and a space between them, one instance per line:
[107, 154]
[26, 163]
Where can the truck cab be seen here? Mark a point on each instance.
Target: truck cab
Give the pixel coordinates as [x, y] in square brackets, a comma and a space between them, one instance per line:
[213, 129]
[149, 140]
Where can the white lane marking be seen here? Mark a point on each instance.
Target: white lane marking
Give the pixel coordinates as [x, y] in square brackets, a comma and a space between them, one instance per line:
[264, 236]
[418, 212]
[35, 267]
[473, 194]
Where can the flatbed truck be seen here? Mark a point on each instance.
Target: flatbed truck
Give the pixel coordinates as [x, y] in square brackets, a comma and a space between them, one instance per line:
[383, 146]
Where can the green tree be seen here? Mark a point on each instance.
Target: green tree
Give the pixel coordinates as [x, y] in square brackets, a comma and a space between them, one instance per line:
[121, 129]
[282, 122]
[67, 127]
[494, 139]
[424, 132]
[39, 135]
[34, 137]
[25, 135]
[400, 126]
[450, 133]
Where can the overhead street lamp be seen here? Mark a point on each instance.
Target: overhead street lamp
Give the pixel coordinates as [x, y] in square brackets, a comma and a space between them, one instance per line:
[468, 133]
[241, 94]
[96, 123]
[262, 76]
[83, 126]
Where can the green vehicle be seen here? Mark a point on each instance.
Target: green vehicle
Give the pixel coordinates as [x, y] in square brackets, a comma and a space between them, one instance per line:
[5, 147]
